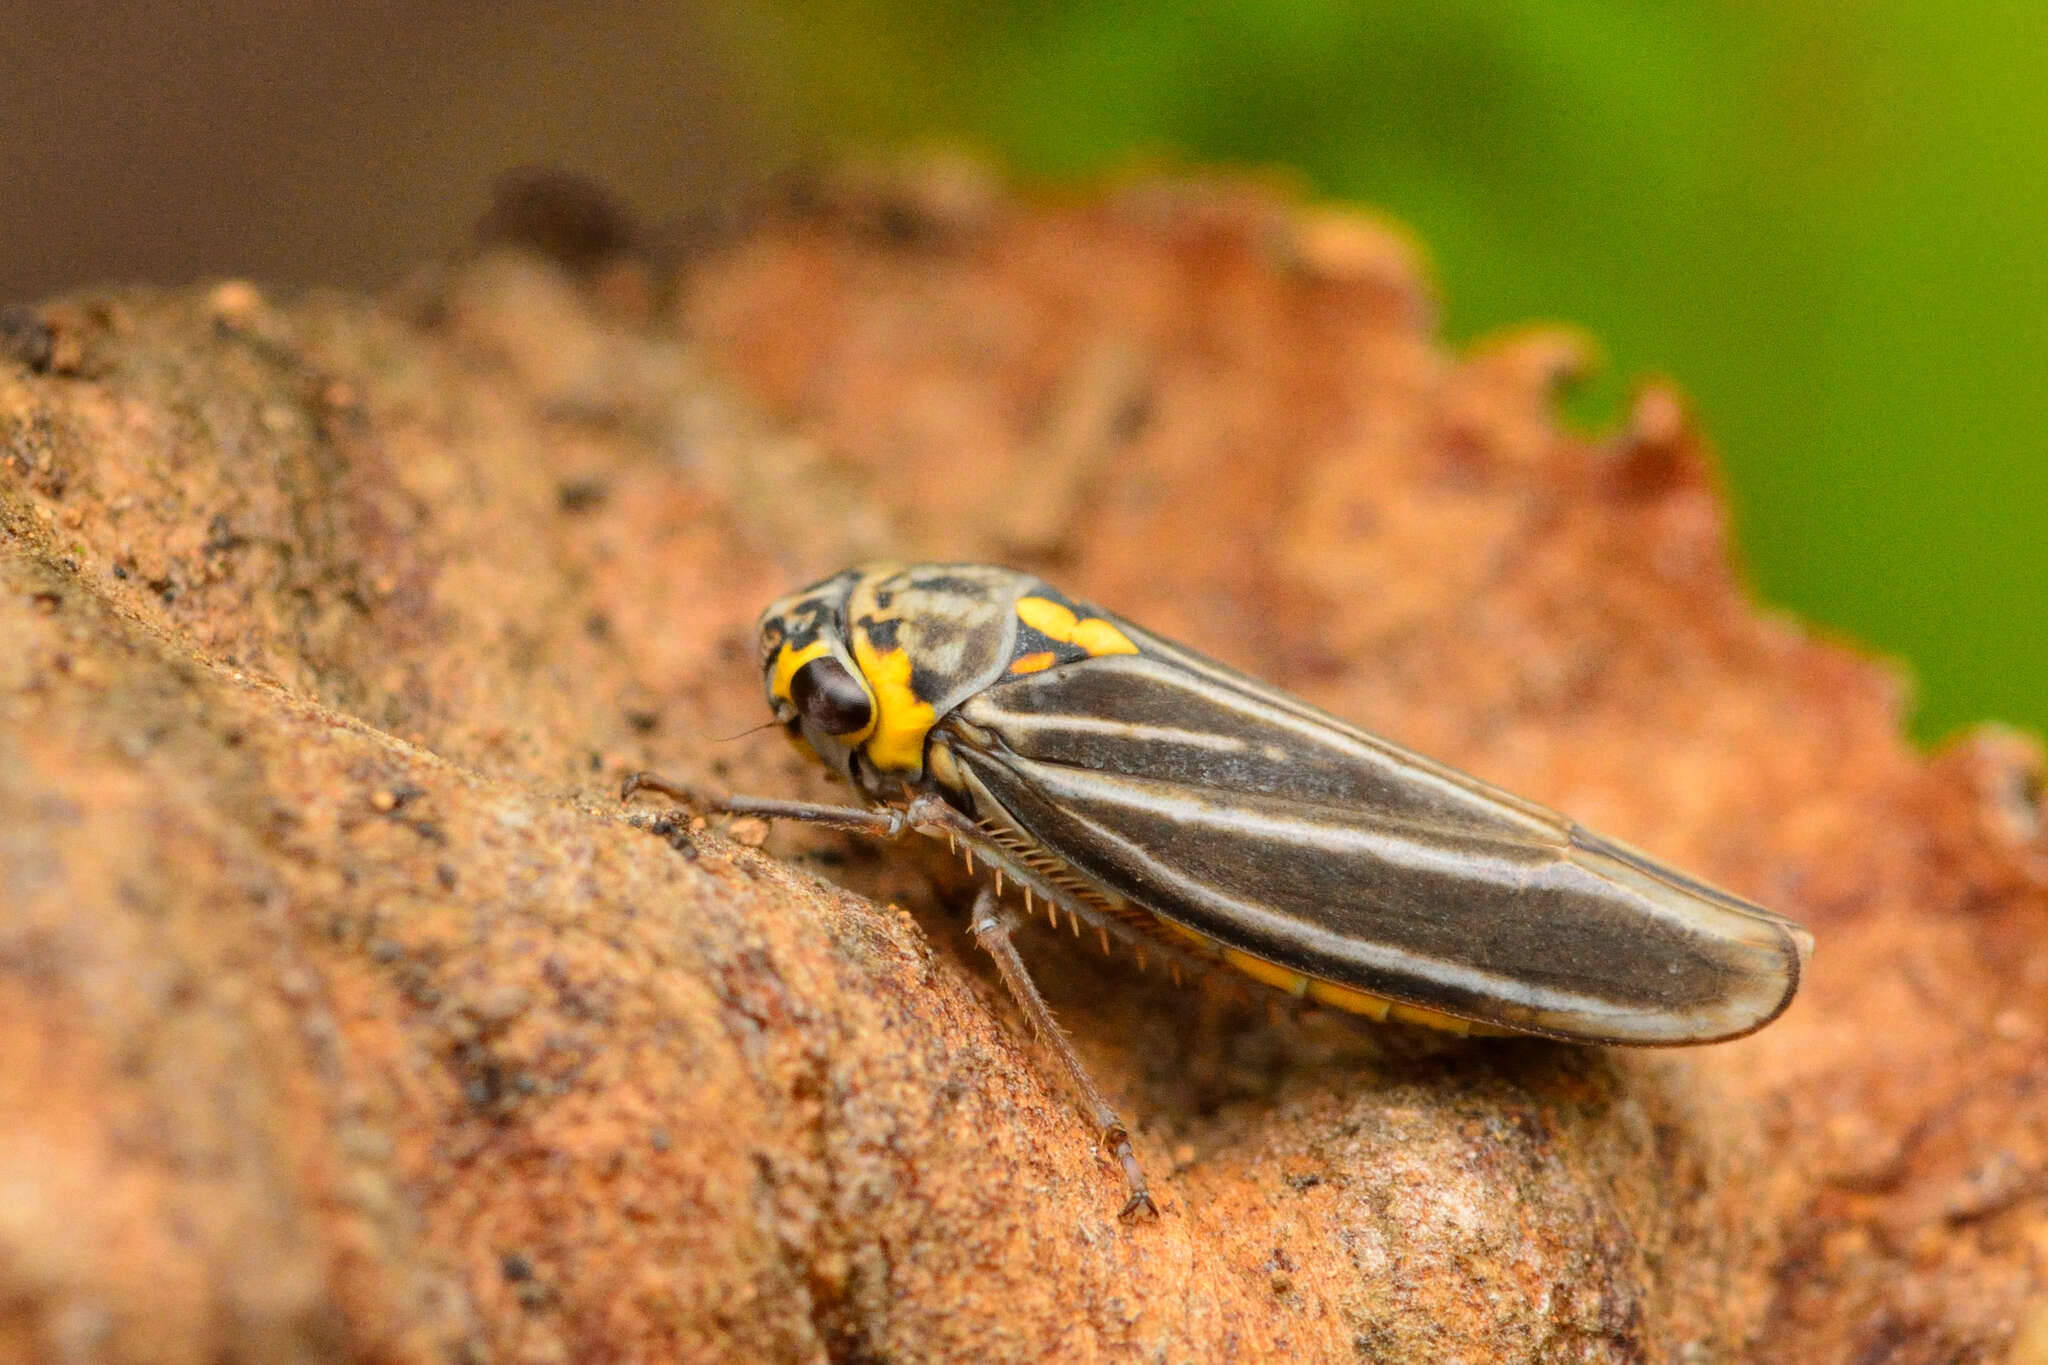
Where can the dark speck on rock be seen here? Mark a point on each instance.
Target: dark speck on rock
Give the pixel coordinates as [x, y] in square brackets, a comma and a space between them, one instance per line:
[25, 337]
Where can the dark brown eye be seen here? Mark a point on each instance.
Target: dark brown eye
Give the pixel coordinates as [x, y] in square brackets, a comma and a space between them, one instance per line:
[830, 698]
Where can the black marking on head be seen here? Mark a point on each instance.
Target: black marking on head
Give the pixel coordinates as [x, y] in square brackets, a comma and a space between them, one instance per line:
[881, 631]
[925, 685]
[806, 621]
[957, 584]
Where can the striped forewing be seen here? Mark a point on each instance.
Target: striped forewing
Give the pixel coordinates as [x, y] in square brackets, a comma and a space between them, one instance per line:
[1217, 803]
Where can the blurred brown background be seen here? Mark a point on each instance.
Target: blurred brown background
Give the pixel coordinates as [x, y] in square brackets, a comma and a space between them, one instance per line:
[302, 143]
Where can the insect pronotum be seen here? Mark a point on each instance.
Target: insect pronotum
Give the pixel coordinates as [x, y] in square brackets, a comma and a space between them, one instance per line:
[1160, 797]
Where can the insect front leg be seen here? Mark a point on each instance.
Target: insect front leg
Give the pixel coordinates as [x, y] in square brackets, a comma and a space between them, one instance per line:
[887, 824]
[930, 814]
[992, 932]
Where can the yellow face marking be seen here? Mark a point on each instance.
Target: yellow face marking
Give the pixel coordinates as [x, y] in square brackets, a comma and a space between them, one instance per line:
[1056, 622]
[1273, 974]
[1034, 663]
[788, 661]
[902, 719]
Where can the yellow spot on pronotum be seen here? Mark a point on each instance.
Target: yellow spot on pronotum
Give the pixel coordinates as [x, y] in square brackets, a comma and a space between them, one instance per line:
[902, 719]
[788, 661]
[1046, 616]
[1098, 637]
[1034, 663]
[1274, 975]
[1057, 622]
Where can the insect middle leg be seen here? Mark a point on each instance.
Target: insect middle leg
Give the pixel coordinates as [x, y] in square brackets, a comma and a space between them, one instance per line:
[992, 932]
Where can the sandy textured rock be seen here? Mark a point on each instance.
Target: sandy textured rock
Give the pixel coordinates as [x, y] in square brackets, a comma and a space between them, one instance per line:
[345, 1014]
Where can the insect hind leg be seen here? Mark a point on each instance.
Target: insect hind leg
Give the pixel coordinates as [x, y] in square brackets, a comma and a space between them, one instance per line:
[993, 934]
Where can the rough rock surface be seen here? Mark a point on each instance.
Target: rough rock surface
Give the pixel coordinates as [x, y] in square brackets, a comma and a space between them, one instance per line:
[346, 1014]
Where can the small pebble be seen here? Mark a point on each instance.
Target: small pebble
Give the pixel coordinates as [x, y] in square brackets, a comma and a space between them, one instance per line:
[234, 302]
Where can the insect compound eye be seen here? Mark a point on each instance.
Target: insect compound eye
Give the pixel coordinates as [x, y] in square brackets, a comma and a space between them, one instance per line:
[829, 697]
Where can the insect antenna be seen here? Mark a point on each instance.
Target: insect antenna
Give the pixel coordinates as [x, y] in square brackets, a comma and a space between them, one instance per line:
[768, 724]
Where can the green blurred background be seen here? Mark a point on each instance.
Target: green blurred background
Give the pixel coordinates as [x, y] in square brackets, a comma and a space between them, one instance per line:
[1825, 222]
[1829, 223]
